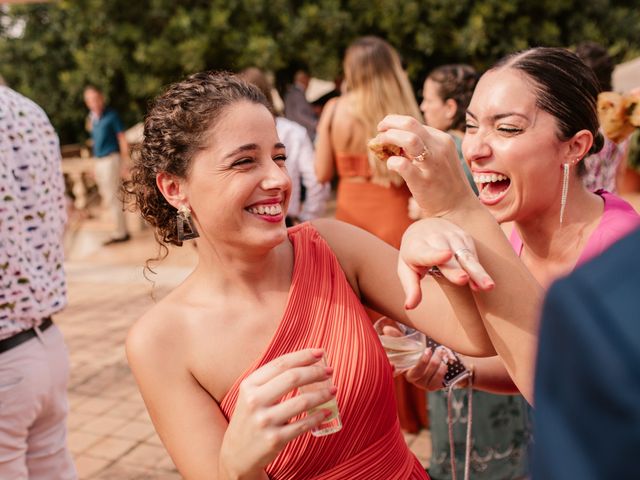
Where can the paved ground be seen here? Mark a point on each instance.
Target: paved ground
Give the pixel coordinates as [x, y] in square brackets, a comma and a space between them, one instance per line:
[110, 434]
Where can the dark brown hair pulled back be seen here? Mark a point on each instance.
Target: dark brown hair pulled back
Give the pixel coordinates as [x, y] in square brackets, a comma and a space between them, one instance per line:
[177, 126]
[566, 89]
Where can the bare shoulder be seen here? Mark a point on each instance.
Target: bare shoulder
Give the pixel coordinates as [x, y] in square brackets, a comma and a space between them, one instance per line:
[157, 335]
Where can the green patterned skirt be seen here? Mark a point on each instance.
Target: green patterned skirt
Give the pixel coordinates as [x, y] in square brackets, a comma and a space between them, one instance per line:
[500, 435]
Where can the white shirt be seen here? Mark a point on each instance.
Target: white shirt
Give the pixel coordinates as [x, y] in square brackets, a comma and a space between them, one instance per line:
[32, 216]
[300, 165]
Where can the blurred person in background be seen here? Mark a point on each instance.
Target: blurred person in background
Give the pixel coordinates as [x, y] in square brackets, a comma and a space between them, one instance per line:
[296, 106]
[603, 168]
[369, 195]
[300, 160]
[34, 362]
[111, 152]
[446, 94]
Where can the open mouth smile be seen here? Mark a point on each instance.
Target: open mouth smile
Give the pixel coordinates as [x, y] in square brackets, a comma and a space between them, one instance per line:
[492, 186]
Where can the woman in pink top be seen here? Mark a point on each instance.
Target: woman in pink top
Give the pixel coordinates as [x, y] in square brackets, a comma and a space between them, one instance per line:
[531, 121]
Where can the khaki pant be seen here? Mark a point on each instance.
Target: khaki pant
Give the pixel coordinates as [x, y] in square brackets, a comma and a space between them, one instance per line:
[33, 410]
[107, 171]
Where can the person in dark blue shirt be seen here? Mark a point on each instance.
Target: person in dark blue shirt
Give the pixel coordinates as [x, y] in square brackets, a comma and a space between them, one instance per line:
[587, 389]
[110, 150]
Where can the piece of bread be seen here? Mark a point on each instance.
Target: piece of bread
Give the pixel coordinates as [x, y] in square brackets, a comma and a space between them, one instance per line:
[613, 116]
[383, 151]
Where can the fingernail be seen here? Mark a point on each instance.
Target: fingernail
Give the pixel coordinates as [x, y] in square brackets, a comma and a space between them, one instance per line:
[328, 370]
[333, 390]
[317, 352]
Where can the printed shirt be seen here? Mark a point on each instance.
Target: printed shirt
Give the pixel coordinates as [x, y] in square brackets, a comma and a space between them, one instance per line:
[602, 167]
[32, 216]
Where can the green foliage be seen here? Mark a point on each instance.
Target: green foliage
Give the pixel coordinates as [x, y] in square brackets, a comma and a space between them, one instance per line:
[131, 50]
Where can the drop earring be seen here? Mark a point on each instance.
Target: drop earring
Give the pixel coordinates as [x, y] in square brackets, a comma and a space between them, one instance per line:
[186, 228]
[565, 189]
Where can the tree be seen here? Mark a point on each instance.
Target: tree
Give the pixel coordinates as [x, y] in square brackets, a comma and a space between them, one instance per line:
[131, 50]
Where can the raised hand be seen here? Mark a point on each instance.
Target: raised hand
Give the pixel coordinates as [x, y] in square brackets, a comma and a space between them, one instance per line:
[436, 242]
[262, 424]
[429, 163]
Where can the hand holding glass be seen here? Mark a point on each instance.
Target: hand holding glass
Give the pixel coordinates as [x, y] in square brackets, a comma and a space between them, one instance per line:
[332, 423]
[403, 345]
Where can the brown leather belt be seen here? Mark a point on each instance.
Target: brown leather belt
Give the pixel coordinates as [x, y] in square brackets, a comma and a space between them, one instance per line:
[20, 338]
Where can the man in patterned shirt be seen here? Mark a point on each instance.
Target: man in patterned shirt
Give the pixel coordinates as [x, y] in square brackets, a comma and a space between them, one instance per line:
[34, 365]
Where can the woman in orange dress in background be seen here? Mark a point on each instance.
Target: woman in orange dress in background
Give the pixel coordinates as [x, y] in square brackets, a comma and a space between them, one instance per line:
[369, 195]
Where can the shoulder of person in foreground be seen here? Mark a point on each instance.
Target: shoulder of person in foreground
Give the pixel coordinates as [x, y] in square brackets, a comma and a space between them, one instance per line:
[587, 368]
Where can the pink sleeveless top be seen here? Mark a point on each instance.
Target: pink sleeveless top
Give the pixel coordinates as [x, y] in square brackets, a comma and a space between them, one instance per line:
[618, 219]
[323, 311]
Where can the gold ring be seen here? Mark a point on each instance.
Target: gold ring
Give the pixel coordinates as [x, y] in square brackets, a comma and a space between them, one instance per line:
[421, 157]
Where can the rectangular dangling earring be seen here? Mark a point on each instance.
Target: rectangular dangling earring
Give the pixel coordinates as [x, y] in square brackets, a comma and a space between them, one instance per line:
[565, 189]
[185, 224]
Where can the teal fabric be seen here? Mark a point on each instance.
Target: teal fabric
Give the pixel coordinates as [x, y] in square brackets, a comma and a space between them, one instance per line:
[501, 435]
[104, 133]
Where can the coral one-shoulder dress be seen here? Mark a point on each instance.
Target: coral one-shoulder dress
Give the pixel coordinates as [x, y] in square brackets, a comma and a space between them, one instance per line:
[323, 311]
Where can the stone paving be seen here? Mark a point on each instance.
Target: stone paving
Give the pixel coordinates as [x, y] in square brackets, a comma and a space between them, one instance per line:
[110, 433]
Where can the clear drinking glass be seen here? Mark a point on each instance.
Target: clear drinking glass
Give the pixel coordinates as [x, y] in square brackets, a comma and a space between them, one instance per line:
[402, 344]
[332, 423]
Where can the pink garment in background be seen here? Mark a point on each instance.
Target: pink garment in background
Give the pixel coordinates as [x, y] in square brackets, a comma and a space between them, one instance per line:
[618, 219]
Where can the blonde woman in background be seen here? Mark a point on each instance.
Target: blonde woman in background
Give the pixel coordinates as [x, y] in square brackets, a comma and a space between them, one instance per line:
[368, 195]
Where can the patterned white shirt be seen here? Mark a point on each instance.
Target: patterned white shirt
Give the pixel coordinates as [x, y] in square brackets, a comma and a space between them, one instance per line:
[300, 165]
[32, 216]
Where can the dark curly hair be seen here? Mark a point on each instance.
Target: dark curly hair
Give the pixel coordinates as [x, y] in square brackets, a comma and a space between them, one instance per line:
[457, 82]
[177, 126]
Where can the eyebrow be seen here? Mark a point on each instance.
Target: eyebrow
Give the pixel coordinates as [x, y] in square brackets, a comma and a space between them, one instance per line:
[501, 115]
[249, 147]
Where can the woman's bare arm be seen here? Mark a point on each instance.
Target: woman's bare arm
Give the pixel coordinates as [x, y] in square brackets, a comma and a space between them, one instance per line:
[447, 313]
